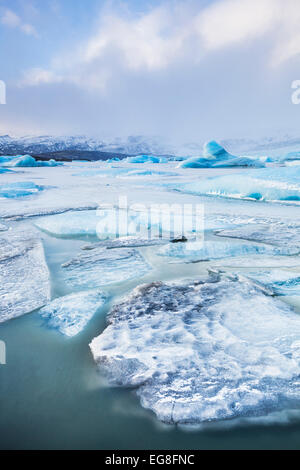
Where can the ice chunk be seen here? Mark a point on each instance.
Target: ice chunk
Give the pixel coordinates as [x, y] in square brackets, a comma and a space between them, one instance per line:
[70, 224]
[284, 235]
[4, 170]
[280, 281]
[213, 149]
[144, 159]
[27, 161]
[125, 242]
[101, 223]
[270, 184]
[202, 162]
[3, 228]
[20, 189]
[198, 251]
[215, 156]
[71, 314]
[101, 267]
[203, 351]
[24, 276]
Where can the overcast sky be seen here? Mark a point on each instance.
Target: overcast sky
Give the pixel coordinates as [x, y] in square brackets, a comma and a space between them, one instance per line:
[185, 70]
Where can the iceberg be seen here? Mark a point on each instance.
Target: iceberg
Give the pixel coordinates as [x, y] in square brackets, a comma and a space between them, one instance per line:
[215, 156]
[270, 184]
[70, 314]
[21, 189]
[101, 267]
[201, 351]
[209, 250]
[145, 159]
[24, 275]
[26, 161]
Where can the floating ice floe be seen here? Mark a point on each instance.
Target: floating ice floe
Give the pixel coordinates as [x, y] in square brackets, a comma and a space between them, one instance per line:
[286, 283]
[3, 228]
[209, 250]
[21, 189]
[70, 314]
[215, 156]
[203, 351]
[101, 223]
[270, 184]
[26, 161]
[113, 223]
[125, 242]
[101, 267]
[284, 235]
[24, 275]
[4, 170]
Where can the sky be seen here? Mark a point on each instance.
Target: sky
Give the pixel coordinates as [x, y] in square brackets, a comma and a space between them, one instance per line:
[187, 70]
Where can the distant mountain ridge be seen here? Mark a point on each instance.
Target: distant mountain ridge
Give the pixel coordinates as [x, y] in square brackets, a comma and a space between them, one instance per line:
[87, 148]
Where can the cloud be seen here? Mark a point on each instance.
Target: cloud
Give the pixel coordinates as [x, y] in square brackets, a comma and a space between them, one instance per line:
[12, 20]
[170, 35]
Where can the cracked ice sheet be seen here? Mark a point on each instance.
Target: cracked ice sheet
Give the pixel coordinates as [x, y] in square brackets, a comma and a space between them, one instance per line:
[101, 267]
[24, 275]
[125, 242]
[285, 283]
[284, 235]
[210, 250]
[70, 314]
[206, 351]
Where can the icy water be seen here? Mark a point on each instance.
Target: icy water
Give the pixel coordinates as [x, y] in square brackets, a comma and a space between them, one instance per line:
[52, 396]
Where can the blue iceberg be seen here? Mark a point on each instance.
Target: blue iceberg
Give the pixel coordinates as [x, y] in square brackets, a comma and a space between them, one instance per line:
[23, 161]
[215, 156]
[145, 159]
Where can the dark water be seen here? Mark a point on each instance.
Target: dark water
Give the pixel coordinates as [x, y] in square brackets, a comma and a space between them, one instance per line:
[52, 396]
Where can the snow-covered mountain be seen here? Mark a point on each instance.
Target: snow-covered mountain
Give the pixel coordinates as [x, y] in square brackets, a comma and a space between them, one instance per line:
[96, 148]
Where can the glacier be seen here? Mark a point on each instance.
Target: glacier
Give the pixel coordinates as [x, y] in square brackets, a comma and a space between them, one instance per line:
[101, 267]
[204, 350]
[70, 314]
[24, 275]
